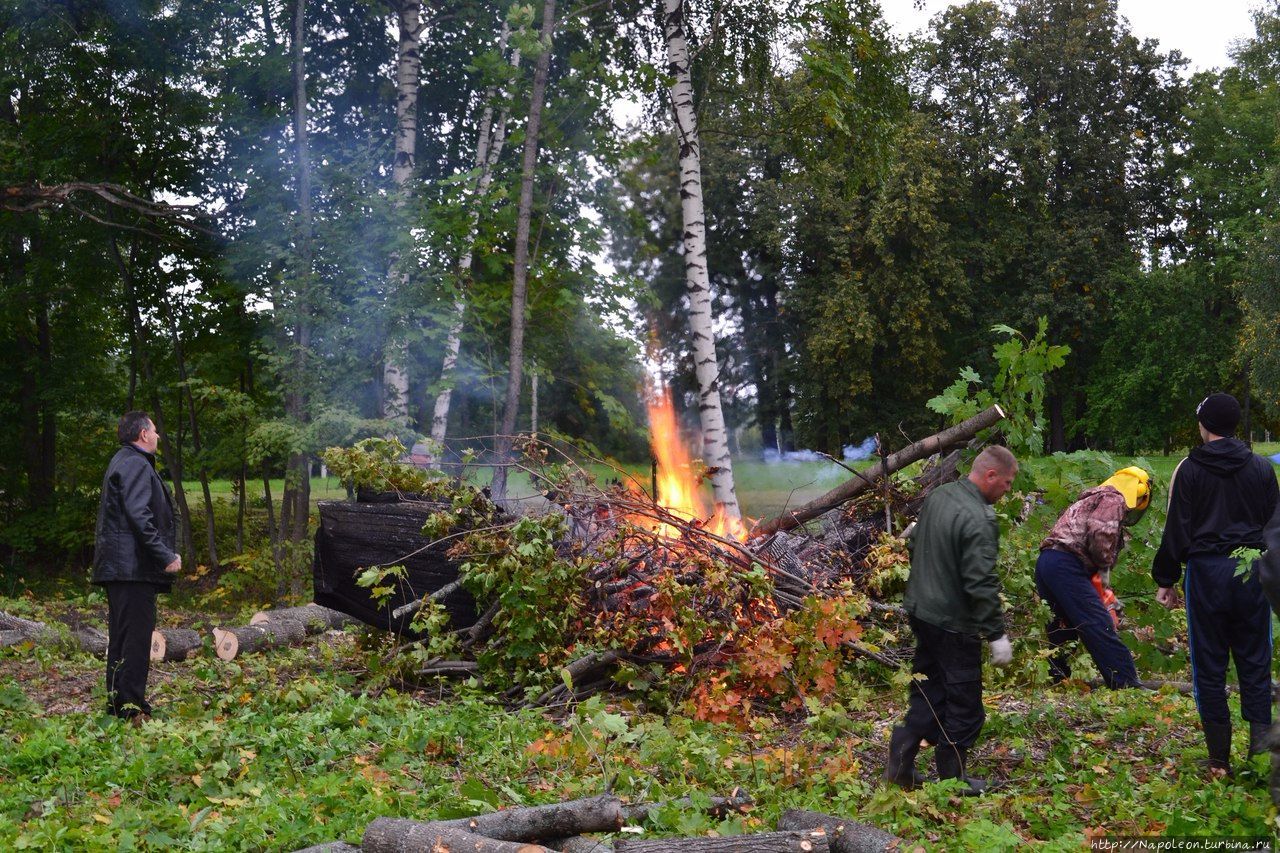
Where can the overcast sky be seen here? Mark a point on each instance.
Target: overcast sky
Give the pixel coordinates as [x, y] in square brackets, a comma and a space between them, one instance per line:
[1202, 29]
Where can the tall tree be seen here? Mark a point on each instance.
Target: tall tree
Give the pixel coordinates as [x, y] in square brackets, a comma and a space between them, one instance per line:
[395, 401]
[715, 444]
[520, 261]
[489, 144]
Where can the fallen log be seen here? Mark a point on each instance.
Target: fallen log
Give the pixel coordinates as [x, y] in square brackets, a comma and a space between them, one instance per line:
[396, 835]
[843, 835]
[315, 618]
[15, 630]
[330, 847]
[230, 642]
[803, 841]
[736, 803]
[580, 844]
[174, 643]
[938, 443]
[557, 820]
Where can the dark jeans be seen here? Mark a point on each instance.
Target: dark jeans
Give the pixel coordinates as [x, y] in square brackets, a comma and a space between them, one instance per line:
[945, 707]
[131, 617]
[1228, 616]
[1078, 614]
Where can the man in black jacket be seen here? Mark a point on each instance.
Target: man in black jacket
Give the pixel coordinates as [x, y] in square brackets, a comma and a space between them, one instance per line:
[1220, 499]
[134, 558]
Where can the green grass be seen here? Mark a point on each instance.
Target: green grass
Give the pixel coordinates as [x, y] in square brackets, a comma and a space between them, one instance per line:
[279, 751]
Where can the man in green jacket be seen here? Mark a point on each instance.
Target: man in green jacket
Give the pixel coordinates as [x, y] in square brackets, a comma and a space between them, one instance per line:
[953, 603]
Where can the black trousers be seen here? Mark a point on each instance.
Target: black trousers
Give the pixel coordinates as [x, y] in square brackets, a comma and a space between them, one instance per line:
[1227, 615]
[1064, 584]
[945, 707]
[131, 617]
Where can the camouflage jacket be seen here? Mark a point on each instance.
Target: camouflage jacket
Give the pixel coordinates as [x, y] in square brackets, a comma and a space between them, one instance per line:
[1090, 529]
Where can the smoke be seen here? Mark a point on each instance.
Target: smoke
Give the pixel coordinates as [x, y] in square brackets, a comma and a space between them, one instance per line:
[858, 452]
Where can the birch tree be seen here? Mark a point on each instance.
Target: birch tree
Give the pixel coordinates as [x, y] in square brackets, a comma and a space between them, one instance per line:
[395, 402]
[489, 145]
[697, 282]
[520, 275]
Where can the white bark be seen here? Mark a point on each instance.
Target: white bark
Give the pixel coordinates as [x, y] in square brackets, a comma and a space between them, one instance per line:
[697, 282]
[395, 404]
[488, 150]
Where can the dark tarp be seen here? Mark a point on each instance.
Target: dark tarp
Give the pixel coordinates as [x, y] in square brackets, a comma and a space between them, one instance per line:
[354, 536]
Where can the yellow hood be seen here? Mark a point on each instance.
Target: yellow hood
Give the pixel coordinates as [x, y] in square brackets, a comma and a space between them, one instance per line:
[1134, 484]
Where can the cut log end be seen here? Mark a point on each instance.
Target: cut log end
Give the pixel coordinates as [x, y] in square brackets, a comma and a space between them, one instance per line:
[226, 644]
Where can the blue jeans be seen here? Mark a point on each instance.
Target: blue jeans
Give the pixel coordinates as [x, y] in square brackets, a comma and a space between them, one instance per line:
[1078, 614]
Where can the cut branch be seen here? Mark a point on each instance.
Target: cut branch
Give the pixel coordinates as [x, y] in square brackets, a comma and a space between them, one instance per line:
[938, 443]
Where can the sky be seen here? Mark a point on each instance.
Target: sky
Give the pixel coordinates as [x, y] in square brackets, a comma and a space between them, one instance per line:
[1202, 29]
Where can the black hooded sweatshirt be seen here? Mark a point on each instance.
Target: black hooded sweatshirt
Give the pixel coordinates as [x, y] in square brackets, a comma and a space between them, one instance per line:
[1221, 498]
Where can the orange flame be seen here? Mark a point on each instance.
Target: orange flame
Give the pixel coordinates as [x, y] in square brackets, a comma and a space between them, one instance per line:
[677, 484]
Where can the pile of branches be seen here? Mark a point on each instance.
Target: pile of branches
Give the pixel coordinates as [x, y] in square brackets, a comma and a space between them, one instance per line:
[662, 593]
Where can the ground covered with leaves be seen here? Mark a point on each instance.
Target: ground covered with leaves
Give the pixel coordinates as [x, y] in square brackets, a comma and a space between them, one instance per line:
[275, 752]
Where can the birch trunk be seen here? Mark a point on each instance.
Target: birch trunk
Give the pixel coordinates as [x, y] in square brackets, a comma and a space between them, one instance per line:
[488, 150]
[395, 378]
[520, 277]
[714, 435]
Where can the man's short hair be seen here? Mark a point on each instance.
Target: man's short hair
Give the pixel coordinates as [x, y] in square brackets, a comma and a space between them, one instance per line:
[131, 424]
[995, 458]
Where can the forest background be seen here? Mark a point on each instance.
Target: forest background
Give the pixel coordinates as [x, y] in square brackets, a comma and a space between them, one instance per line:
[284, 226]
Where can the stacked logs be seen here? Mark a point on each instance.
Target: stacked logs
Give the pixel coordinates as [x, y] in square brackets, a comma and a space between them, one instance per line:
[567, 828]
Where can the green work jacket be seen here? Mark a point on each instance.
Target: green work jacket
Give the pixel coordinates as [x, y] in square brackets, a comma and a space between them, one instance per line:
[953, 583]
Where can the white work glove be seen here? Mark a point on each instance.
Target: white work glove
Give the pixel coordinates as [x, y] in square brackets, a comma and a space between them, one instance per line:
[1002, 651]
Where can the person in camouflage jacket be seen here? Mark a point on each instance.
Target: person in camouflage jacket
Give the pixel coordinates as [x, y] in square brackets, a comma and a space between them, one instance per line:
[1073, 575]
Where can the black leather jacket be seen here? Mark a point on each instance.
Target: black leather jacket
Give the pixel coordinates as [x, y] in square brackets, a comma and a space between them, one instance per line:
[135, 537]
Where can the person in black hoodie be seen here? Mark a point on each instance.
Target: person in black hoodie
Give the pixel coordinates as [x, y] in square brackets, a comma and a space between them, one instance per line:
[134, 558]
[1220, 498]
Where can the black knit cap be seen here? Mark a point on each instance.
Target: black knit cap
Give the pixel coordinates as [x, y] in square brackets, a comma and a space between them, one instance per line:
[1219, 414]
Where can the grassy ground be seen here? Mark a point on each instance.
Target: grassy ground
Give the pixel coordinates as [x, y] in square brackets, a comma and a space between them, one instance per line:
[277, 752]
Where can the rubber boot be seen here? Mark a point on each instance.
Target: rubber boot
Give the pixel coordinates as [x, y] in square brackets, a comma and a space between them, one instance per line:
[1260, 738]
[901, 767]
[952, 761]
[1217, 737]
